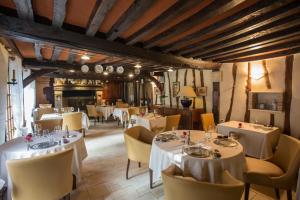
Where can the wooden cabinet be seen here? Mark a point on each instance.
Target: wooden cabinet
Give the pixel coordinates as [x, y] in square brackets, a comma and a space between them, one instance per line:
[190, 118]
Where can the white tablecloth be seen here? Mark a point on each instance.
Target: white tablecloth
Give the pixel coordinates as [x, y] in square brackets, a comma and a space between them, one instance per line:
[106, 110]
[258, 141]
[85, 118]
[150, 121]
[203, 169]
[17, 149]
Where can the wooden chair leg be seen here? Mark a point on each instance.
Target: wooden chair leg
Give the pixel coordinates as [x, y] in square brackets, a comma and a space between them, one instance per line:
[277, 193]
[247, 188]
[127, 169]
[74, 187]
[139, 164]
[289, 194]
[67, 197]
[151, 178]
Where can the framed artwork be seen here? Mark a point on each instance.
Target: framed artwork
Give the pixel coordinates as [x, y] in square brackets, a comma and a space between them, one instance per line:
[176, 88]
[201, 91]
[156, 91]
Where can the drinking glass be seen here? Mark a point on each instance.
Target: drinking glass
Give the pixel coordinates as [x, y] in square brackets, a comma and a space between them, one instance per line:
[72, 109]
[46, 133]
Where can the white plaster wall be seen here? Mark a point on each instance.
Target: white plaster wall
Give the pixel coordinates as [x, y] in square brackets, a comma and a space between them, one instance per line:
[276, 68]
[207, 74]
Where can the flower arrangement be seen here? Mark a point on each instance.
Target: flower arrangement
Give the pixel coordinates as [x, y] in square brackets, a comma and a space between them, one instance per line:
[28, 137]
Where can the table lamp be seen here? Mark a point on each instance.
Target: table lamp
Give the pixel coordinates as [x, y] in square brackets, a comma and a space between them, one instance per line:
[186, 92]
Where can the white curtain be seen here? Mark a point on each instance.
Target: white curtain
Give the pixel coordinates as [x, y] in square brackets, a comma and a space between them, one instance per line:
[17, 95]
[3, 91]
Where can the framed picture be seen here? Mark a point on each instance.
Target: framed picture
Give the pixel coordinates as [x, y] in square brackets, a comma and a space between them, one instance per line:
[156, 91]
[176, 88]
[201, 91]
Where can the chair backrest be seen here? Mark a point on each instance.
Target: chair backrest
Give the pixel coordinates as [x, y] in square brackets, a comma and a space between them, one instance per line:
[49, 124]
[207, 120]
[177, 187]
[287, 155]
[133, 111]
[120, 104]
[91, 110]
[172, 121]
[138, 142]
[45, 105]
[73, 121]
[45, 177]
[41, 111]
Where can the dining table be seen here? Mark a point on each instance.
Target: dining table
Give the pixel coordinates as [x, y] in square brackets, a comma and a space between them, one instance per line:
[85, 118]
[19, 149]
[259, 141]
[106, 110]
[209, 168]
[151, 121]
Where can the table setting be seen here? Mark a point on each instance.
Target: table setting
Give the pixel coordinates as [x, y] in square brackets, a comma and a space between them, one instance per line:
[203, 155]
[150, 121]
[32, 145]
[106, 110]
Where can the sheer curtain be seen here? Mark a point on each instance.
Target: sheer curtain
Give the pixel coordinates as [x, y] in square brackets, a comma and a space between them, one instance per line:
[17, 95]
[3, 91]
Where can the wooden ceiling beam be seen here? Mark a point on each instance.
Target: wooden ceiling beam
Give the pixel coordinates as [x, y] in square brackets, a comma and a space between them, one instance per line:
[11, 44]
[265, 56]
[59, 12]
[35, 75]
[135, 11]
[37, 50]
[286, 26]
[179, 8]
[213, 10]
[33, 32]
[278, 46]
[100, 11]
[252, 26]
[24, 9]
[242, 16]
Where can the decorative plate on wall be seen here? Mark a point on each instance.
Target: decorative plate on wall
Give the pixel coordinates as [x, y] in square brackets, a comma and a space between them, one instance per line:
[110, 69]
[98, 69]
[85, 68]
[120, 70]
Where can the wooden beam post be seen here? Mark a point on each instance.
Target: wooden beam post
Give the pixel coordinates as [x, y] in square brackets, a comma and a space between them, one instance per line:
[234, 70]
[202, 85]
[288, 92]
[248, 90]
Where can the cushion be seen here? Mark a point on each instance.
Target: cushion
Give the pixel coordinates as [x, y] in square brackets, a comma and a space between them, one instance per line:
[263, 167]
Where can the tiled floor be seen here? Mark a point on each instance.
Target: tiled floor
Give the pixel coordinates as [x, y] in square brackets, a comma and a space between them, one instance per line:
[104, 171]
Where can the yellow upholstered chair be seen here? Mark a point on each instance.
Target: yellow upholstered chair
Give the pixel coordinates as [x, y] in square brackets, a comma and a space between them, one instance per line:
[120, 104]
[45, 105]
[280, 171]
[138, 142]
[172, 121]
[207, 120]
[177, 187]
[93, 113]
[46, 177]
[49, 124]
[73, 121]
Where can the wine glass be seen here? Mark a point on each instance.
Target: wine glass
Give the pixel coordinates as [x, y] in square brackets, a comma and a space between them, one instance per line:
[72, 109]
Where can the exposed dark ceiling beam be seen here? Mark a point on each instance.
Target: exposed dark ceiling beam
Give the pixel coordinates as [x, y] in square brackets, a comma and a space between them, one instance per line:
[244, 15]
[266, 56]
[135, 11]
[213, 10]
[13, 48]
[24, 9]
[33, 32]
[288, 26]
[180, 7]
[250, 26]
[277, 46]
[35, 75]
[37, 50]
[101, 9]
[59, 12]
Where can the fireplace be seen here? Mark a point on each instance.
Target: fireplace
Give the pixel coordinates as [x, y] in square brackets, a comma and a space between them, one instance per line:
[78, 98]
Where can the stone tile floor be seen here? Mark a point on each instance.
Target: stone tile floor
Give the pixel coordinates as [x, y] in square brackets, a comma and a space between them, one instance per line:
[104, 171]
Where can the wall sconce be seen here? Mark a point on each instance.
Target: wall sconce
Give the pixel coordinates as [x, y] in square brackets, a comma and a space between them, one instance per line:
[257, 72]
[13, 80]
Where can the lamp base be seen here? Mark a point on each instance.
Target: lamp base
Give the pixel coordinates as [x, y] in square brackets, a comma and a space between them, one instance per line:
[186, 103]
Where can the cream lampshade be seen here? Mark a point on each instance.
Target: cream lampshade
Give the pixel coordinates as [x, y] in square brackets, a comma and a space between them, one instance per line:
[186, 92]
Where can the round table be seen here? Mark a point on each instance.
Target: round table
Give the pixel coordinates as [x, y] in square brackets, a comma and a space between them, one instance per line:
[17, 149]
[207, 169]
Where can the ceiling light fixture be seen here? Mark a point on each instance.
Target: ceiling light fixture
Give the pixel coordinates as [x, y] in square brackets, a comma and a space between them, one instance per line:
[72, 70]
[130, 75]
[170, 70]
[105, 73]
[138, 66]
[85, 57]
